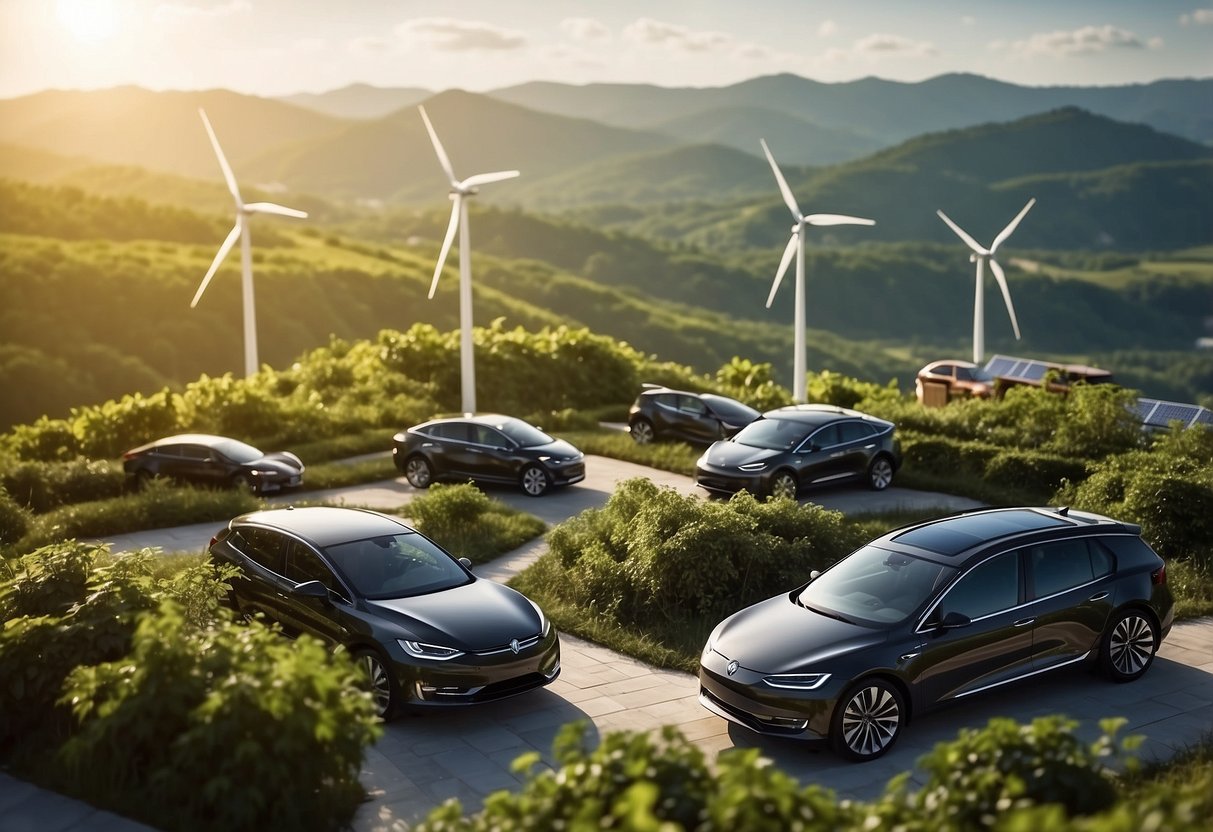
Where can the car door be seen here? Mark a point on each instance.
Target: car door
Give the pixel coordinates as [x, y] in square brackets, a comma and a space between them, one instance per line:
[204, 465]
[856, 446]
[261, 585]
[993, 647]
[667, 418]
[1071, 584]
[698, 424]
[819, 457]
[492, 454]
[452, 452]
[325, 618]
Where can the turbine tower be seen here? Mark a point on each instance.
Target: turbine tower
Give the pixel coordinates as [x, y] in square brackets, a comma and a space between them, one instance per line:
[244, 210]
[796, 246]
[460, 191]
[981, 256]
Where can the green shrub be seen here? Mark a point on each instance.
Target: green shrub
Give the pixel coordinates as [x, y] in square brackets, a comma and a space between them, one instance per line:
[14, 519]
[1037, 473]
[193, 728]
[42, 486]
[45, 440]
[1175, 513]
[467, 523]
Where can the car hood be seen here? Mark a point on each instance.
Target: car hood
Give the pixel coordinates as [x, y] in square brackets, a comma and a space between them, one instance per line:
[732, 454]
[557, 449]
[780, 636]
[481, 615]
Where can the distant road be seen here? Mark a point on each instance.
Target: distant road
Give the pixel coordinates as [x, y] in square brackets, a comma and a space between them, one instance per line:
[602, 475]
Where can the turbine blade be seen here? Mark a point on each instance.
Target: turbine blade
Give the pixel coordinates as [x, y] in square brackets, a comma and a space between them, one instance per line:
[232, 236]
[788, 252]
[1006, 232]
[442, 157]
[274, 208]
[486, 178]
[960, 232]
[1006, 294]
[836, 219]
[446, 244]
[227, 169]
[783, 184]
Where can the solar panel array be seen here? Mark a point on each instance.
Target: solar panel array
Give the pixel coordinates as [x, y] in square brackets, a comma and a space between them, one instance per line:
[1155, 413]
[1019, 369]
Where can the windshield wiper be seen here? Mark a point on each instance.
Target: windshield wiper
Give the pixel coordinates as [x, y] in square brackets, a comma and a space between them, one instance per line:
[826, 613]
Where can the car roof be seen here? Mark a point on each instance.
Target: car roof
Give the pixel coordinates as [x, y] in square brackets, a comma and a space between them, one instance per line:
[490, 419]
[324, 525]
[818, 414]
[193, 439]
[952, 538]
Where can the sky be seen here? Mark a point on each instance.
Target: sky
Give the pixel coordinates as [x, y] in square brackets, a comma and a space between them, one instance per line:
[279, 47]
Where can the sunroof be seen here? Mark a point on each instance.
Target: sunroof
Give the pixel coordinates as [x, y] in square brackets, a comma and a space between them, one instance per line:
[955, 535]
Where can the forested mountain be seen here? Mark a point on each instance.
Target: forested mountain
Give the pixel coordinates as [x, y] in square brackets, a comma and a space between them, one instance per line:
[359, 100]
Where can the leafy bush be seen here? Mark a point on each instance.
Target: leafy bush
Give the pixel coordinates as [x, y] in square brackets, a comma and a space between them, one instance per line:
[466, 522]
[1036, 473]
[42, 486]
[190, 730]
[654, 554]
[14, 519]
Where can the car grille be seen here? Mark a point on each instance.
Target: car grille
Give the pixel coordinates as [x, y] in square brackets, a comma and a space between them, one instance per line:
[523, 645]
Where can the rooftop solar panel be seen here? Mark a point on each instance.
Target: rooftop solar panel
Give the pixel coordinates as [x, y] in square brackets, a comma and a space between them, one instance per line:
[1156, 413]
[954, 535]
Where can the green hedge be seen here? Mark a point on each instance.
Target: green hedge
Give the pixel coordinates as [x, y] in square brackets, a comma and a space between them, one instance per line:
[42, 486]
[466, 522]
[1009, 777]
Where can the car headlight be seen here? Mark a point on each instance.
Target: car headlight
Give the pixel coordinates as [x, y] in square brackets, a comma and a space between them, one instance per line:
[435, 652]
[797, 681]
[753, 466]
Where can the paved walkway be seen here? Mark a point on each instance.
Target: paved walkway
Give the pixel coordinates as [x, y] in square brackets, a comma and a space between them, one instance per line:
[467, 753]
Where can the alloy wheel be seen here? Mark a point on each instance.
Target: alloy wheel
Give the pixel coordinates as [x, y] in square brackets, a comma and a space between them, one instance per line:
[871, 721]
[417, 472]
[880, 475]
[784, 485]
[378, 682]
[1131, 645]
[642, 432]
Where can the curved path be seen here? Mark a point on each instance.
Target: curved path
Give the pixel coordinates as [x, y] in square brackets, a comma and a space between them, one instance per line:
[466, 753]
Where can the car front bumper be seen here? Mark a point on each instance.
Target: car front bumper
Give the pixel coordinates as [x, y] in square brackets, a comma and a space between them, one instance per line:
[745, 699]
[730, 480]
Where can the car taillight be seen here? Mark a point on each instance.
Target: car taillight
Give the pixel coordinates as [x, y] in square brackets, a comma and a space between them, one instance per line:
[1159, 576]
[214, 540]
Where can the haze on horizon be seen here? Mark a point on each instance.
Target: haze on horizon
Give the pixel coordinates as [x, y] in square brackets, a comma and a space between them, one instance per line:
[279, 47]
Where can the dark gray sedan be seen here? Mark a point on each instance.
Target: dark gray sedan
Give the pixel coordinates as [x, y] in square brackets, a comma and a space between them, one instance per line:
[936, 612]
[204, 459]
[794, 447]
[427, 631]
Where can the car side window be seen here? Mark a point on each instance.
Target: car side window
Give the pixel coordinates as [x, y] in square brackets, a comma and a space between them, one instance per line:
[854, 431]
[985, 589]
[196, 452]
[690, 404]
[169, 450]
[302, 564]
[452, 430]
[825, 437]
[667, 400]
[485, 435]
[266, 548]
[1064, 565]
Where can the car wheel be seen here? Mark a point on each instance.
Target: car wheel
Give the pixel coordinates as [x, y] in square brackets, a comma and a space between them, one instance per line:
[783, 484]
[418, 472]
[142, 478]
[244, 482]
[867, 720]
[880, 473]
[642, 431]
[379, 682]
[1129, 645]
[535, 480]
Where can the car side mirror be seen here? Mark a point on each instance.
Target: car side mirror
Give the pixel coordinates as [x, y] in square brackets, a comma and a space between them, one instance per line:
[467, 563]
[954, 621]
[311, 589]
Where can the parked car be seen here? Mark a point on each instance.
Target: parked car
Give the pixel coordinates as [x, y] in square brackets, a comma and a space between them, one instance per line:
[426, 630]
[488, 448]
[204, 459]
[802, 445]
[660, 412]
[960, 378]
[935, 612]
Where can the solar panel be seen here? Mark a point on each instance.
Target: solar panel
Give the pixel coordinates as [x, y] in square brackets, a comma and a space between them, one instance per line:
[1034, 371]
[1156, 413]
[999, 365]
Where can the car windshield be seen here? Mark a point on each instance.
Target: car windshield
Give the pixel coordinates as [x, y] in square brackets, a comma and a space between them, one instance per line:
[875, 586]
[238, 451]
[773, 434]
[396, 566]
[525, 435]
[730, 410]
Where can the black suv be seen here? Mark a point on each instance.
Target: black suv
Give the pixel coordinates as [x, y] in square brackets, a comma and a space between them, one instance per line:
[660, 412]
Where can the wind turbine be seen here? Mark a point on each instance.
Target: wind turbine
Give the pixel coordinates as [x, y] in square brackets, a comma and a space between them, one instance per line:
[796, 246]
[460, 190]
[244, 210]
[981, 256]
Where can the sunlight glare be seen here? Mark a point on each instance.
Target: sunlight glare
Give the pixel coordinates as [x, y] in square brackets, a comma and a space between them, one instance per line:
[89, 21]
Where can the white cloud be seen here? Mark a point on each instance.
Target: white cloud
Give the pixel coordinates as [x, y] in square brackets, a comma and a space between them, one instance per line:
[827, 28]
[677, 38]
[369, 45]
[585, 28]
[1088, 40]
[447, 34]
[189, 11]
[884, 44]
[1199, 17]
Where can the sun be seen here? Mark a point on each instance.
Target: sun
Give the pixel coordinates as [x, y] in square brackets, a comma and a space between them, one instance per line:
[89, 21]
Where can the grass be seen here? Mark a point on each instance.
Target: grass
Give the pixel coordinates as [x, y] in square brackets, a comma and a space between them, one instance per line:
[339, 447]
[468, 523]
[342, 474]
[675, 457]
